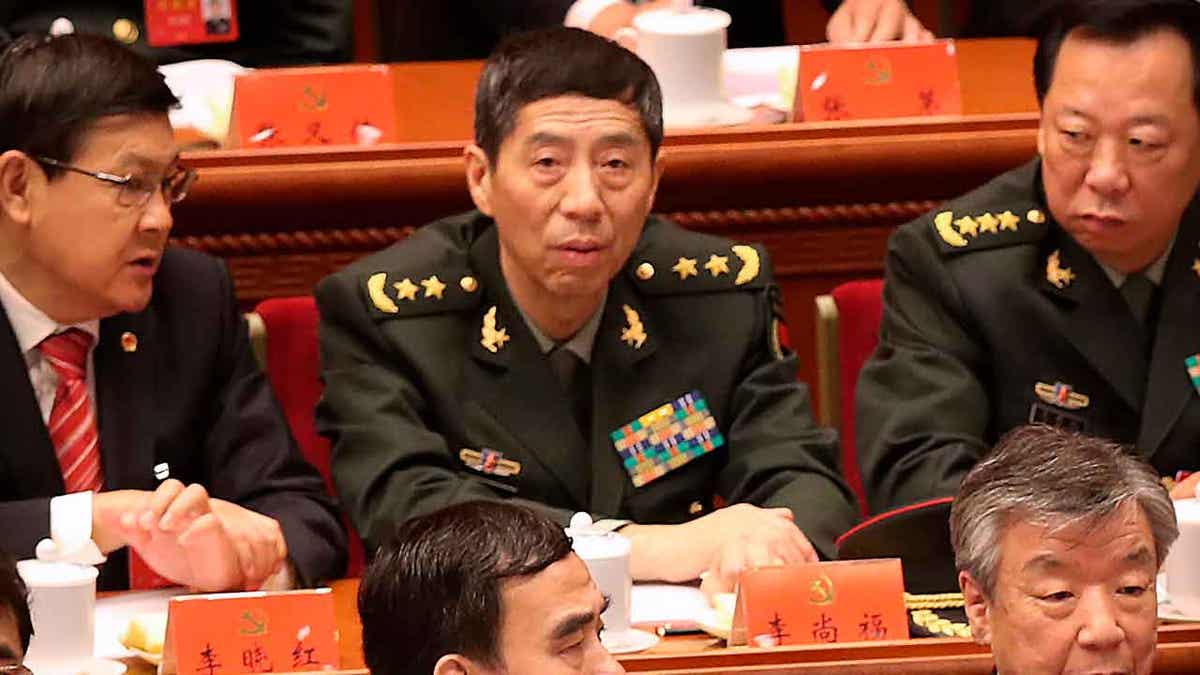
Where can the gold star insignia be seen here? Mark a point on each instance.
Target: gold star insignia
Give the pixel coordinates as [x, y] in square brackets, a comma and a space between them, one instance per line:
[967, 225]
[433, 287]
[1056, 274]
[686, 267]
[406, 289]
[1196, 266]
[987, 223]
[1009, 221]
[717, 264]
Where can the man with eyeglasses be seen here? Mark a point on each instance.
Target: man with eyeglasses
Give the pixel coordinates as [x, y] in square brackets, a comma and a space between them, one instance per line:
[131, 398]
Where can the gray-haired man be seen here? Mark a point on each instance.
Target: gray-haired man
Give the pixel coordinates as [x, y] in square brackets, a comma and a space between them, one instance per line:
[1058, 538]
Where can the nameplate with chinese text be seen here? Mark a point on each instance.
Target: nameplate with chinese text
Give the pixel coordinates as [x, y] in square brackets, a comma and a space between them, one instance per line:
[319, 105]
[867, 82]
[845, 601]
[241, 633]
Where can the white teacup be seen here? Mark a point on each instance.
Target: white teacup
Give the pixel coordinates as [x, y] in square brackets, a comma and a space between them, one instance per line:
[62, 602]
[1183, 563]
[606, 555]
[686, 49]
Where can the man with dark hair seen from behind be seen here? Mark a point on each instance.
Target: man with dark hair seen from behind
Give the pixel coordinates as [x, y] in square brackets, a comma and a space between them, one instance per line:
[481, 588]
[16, 624]
[1058, 538]
[1066, 291]
[527, 350]
[128, 378]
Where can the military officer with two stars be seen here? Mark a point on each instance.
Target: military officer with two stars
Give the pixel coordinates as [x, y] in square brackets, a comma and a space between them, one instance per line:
[562, 348]
[1065, 292]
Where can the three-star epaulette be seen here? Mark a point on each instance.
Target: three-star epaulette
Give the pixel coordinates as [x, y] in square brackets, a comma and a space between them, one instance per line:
[699, 270]
[963, 231]
[391, 295]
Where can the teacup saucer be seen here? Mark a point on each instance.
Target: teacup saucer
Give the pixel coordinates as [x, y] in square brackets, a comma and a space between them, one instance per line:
[627, 641]
[95, 666]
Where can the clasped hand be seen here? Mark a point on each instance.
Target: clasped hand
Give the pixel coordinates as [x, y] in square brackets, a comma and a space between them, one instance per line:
[189, 537]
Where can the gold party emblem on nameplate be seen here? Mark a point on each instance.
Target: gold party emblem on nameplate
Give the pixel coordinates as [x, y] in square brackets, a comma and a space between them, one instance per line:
[491, 462]
[1060, 394]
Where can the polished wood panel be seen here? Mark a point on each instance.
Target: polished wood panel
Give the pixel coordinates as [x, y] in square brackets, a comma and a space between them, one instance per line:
[823, 197]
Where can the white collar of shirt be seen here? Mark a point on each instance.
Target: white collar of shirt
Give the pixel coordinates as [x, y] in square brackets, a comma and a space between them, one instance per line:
[1154, 271]
[30, 324]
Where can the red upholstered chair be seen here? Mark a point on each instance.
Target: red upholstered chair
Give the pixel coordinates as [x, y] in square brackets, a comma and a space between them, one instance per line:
[847, 332]
[293, 367]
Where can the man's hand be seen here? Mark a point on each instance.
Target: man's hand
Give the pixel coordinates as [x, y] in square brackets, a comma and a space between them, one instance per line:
[875, 21]
[723, 544]
[175, 531]
[258, 540]
[1186, 488]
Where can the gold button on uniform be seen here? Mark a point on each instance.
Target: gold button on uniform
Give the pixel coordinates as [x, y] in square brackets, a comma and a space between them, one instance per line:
[468, 284]
[125, 31]
[695, 508]
[645, 271]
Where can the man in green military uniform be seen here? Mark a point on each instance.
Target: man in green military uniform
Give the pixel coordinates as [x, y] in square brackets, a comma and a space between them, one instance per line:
[1066, 291]
[561, 348]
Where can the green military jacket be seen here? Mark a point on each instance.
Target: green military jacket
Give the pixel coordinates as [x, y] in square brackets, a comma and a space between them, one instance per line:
[436, 391]
[995, 317]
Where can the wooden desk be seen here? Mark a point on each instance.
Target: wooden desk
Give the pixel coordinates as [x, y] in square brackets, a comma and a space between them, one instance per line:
[823, 197]
[1178, 652]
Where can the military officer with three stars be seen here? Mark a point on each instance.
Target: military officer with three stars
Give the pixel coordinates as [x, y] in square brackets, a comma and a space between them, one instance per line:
[573, 353]
[1066, 291]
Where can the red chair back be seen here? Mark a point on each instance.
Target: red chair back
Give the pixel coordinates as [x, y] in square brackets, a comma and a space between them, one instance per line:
[860, 309]
[293, 367]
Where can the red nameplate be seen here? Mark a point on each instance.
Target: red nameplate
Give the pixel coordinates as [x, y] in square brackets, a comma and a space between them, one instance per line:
[894, 80]
[324, 105]
[190, 22]
[237, 633]
[848, 601]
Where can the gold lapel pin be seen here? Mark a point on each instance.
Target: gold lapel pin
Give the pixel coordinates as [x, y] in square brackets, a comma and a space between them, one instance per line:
[129, 342]
[1196, 266]
[1056, 274]
[634, 334]
[493, 338]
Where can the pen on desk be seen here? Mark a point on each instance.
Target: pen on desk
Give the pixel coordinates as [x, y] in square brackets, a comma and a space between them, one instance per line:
[686, 628]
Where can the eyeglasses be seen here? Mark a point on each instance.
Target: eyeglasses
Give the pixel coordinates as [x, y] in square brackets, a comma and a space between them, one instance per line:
[134, 191]
[15, 669]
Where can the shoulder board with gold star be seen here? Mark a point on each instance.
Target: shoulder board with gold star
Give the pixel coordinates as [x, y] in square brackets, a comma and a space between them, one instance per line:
[963, 231]
[393, 294]
[673, 261]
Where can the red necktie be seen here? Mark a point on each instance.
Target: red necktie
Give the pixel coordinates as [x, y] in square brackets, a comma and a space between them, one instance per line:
[72, 423]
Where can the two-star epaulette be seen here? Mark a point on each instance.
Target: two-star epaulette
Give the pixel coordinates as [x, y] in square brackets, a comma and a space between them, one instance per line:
[392, 294]
[699, 268]
[965, 231]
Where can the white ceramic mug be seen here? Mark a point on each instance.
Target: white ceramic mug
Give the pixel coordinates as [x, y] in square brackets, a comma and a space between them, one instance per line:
[1183, 563]
[62, 602]
[686, 49]
[606, 555]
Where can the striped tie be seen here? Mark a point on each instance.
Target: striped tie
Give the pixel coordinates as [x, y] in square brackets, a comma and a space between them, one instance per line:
[72, 422]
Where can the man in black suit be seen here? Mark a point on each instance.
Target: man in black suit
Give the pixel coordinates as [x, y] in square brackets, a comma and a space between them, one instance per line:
[1064, 291]
[271, 32]
[127, 376]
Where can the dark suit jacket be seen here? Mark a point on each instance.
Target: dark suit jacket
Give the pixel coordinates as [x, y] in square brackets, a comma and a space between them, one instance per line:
[430, 30]
[406, 391]
[971, 326]
[190, 396]
[273, 32]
